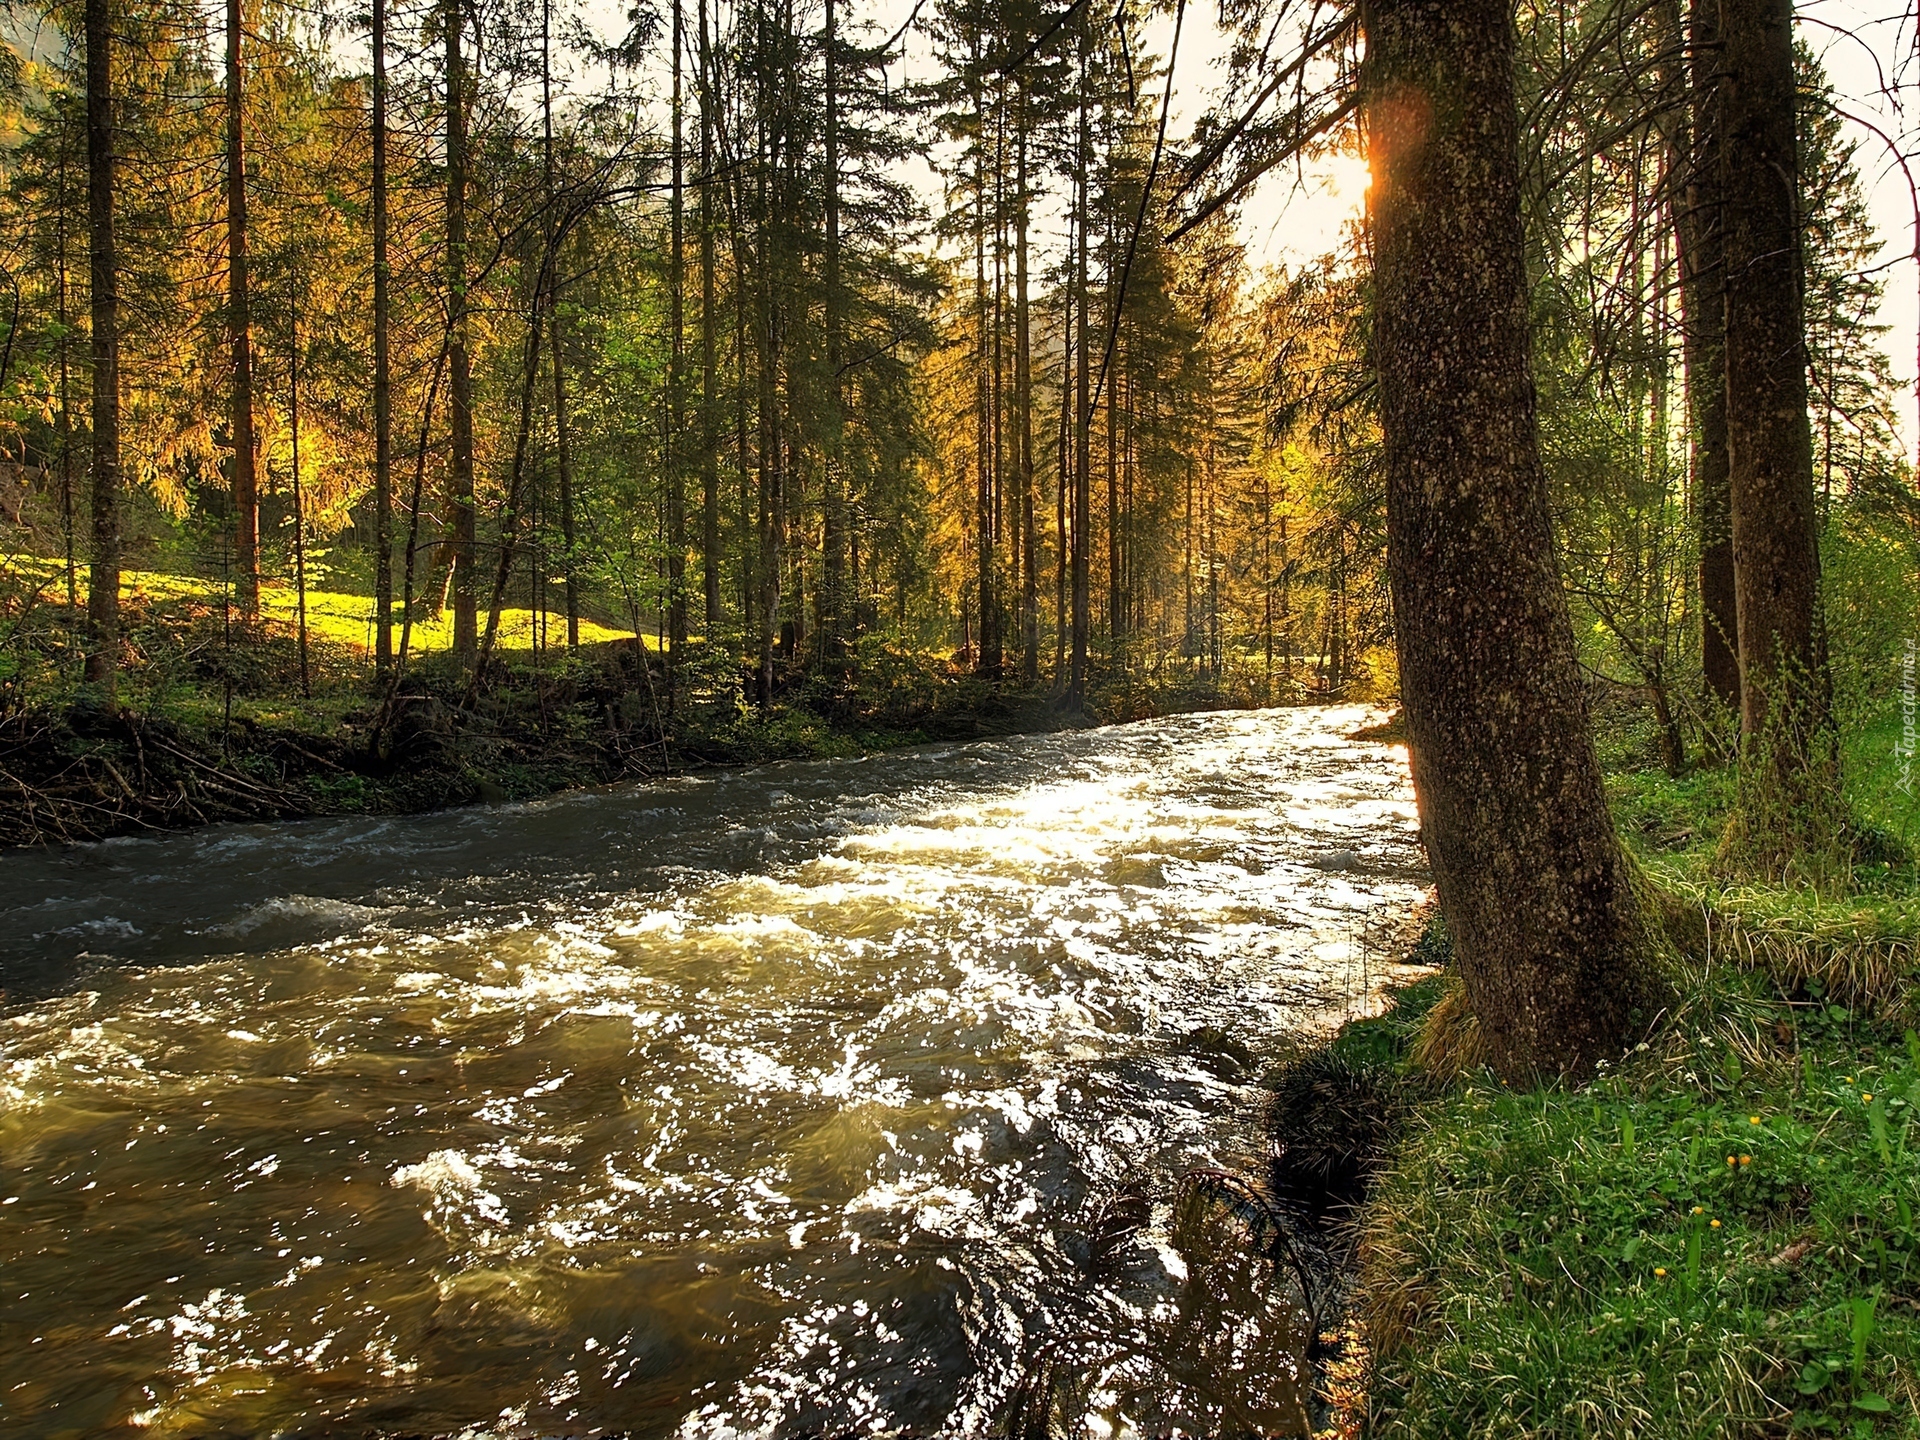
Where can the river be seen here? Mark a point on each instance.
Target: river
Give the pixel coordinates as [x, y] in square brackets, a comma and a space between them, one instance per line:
[767, 1102]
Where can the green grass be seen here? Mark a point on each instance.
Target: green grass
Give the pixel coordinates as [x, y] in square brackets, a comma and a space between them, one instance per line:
[339, 618]
[1718, 1240]
[1676, 824]
[1875, 779]
[1718, 1237]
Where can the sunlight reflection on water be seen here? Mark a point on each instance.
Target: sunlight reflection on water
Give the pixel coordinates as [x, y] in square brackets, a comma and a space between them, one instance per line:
[764, 1103]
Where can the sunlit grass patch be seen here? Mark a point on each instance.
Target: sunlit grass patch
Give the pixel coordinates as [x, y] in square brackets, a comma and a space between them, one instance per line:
[1882, 787]
[340, 618]
[1680, 821]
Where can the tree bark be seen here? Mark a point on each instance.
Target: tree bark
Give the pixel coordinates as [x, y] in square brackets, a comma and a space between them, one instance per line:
[1116, 577]
[1534, 885]
[834, 517]
[246, 489]
[563, 463]
[103, 579]
[1063, 472]
[299, 508]
[987, 656]
[676, 327]
[563, 456]
[1023, 402]
[66, 391]
[772, 516]
[461, 536]
[1790, 804]
[382, 362]
[709, 398]
[1083, 403]
[1703, 299]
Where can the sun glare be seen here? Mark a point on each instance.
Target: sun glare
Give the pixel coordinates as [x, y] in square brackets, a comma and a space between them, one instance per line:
[1345, 179]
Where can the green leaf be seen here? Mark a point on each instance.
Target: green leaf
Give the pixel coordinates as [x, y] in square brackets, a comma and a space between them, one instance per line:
[1862, 1331]
[1872, 1403]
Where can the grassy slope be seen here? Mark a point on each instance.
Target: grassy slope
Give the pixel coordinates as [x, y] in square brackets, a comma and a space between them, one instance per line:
[1720, 1237]
[337, 618]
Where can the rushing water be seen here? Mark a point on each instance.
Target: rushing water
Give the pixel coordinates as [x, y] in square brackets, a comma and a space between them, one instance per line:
[771, 1102]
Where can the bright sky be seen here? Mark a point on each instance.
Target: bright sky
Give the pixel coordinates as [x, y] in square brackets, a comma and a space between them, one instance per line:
[1879, 51]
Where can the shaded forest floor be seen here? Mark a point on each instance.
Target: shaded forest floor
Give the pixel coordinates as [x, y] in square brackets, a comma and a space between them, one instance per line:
[213, 725]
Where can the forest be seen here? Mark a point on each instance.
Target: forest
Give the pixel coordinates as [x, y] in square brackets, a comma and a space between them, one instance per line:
[363, 358]
[478, 400]
[647, 336]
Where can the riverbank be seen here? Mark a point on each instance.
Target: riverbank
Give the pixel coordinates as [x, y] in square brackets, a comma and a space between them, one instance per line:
[1716, 1237]
[241, 743]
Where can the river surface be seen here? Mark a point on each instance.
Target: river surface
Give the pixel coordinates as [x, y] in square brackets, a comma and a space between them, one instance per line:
[770, 1102]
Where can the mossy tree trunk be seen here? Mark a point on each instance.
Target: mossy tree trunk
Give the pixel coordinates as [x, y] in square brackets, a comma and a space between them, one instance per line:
[1536, 890]
[1790, 814]
[246, 490]
[103, 580]
[1703, 299]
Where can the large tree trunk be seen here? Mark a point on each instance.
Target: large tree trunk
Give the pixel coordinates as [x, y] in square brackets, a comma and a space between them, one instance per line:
[1703, 298]
[1532, 880]
[103, 580]
[382, 362]
[246, 490]
[1790, 803]
[461, 536]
